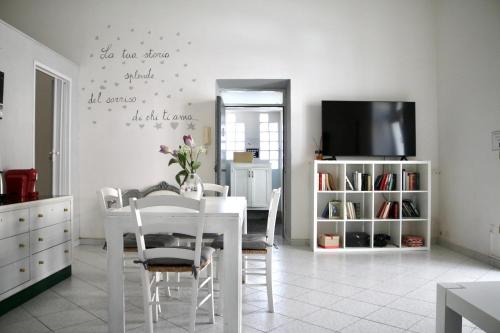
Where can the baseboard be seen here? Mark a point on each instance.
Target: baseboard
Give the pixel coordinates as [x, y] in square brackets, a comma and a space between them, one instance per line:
[297, 242]
[469, 253]
[92, 241]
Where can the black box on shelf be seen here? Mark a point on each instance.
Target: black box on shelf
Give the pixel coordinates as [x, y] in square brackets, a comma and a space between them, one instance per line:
[357, 239]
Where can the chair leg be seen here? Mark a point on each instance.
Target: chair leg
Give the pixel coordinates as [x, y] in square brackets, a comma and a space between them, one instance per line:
[146, 294]
[211, 313]
[167, 286]
[194, 305]
[156, 296]
[269, 280]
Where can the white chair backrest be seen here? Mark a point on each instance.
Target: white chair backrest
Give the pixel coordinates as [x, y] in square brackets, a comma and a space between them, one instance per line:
[223, 190]
[109, 197]
[154, 224]
[271, 217]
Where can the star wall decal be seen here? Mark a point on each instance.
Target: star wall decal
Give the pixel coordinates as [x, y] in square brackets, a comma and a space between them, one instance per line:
[158, 126]
[191, 126]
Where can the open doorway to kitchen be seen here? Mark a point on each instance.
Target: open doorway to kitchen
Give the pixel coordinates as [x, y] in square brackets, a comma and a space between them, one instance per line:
[252, 116]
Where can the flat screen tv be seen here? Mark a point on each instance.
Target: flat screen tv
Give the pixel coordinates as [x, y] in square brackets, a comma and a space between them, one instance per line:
[364, 128]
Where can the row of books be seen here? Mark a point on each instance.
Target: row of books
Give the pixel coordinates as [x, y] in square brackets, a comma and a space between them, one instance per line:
[411, 181]
[352, 210]
[388, 210]
[325, 182]
[360, 182]
[386, 182]
[410, 209]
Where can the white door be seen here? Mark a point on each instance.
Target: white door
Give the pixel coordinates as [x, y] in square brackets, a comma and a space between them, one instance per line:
[260, 181]
[239, 183]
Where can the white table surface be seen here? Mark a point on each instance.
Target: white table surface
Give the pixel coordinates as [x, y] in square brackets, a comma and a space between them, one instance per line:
[479, 302]
[223, 215]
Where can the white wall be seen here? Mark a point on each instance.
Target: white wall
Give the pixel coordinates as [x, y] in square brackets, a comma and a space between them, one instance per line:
[330, 49]
[18, 54]
[469, 109]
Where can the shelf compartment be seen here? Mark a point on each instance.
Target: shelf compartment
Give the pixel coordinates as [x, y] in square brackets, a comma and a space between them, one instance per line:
[420, 201]
[336, 171]
[363, 201]
[331, 227]
[415, 228]
[362, 168]
[388, 169]
[380, 198]
[363, 227]
[323, 202]
[423, 174]
[391, 228]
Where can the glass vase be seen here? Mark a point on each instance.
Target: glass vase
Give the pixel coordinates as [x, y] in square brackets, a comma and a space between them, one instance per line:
[192, 187]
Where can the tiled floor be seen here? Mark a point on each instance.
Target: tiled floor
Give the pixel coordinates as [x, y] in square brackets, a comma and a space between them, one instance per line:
[377, 292]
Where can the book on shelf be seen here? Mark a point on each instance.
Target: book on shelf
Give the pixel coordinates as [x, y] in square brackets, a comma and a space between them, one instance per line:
[325, 182]
[388, 210]
[411, 181]
[410, 209]
[360, 182]
[386, 182]
[353, 210]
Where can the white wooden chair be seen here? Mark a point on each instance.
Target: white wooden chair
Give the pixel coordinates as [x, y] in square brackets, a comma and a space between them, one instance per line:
[156, 261]
[109, 198]
[259, 248]
[215, 188]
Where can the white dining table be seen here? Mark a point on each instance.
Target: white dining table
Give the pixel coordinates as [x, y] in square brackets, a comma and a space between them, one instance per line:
[223, 215]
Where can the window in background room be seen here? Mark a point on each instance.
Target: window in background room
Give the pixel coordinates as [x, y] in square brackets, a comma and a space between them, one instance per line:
[235, 136]
[269, 140]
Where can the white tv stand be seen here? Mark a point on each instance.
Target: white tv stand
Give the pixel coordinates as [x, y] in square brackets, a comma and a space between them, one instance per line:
[370, 202]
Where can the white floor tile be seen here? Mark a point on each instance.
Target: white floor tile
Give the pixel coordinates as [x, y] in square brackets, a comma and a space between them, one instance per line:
[297, 326]
[330, 319]
[265, 321]
[62, 319]
[355, 308]
[395, 318]
[365, 326]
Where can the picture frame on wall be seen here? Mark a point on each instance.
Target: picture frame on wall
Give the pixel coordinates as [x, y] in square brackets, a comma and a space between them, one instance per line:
[335, 209]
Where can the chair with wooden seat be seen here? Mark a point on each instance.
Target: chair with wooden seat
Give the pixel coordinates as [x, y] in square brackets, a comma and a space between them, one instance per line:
[259, 248]
[110, 198]
[156, 261]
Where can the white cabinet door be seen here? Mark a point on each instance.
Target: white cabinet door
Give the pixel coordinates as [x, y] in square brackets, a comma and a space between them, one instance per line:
[261, 183]
[239, 183]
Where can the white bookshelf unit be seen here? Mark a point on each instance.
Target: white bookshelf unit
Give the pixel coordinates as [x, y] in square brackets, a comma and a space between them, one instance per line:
[369, 203]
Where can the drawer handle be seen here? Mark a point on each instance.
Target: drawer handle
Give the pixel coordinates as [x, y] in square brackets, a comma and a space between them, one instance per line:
[21, 219]
[40, 262]
[66, 209]
[40, 239]
[66, 251]
[21, 245]
[22, 270]
[40, 215]
[65, 230]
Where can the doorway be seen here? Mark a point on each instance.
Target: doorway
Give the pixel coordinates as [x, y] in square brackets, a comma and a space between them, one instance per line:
[253, 116]
[52, 132]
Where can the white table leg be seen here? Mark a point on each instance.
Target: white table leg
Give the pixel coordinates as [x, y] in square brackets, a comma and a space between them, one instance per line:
[232, 278]
[447, 320]
[116, 297]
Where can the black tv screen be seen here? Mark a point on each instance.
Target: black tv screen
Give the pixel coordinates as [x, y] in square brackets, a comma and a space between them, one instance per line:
[363, 128]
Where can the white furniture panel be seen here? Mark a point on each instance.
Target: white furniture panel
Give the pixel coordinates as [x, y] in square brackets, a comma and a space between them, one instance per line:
[46, 215]
[13, 222]
[50, 261]
[14, 275]
[42, 249]
[14, 248]
[368, 202]
[252, 181]
[44, 238]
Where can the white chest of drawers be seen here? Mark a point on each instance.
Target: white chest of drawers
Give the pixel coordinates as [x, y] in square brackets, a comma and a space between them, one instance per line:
[35, 248]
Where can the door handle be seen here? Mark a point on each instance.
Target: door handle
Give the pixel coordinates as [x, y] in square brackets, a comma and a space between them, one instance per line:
[53, 155]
